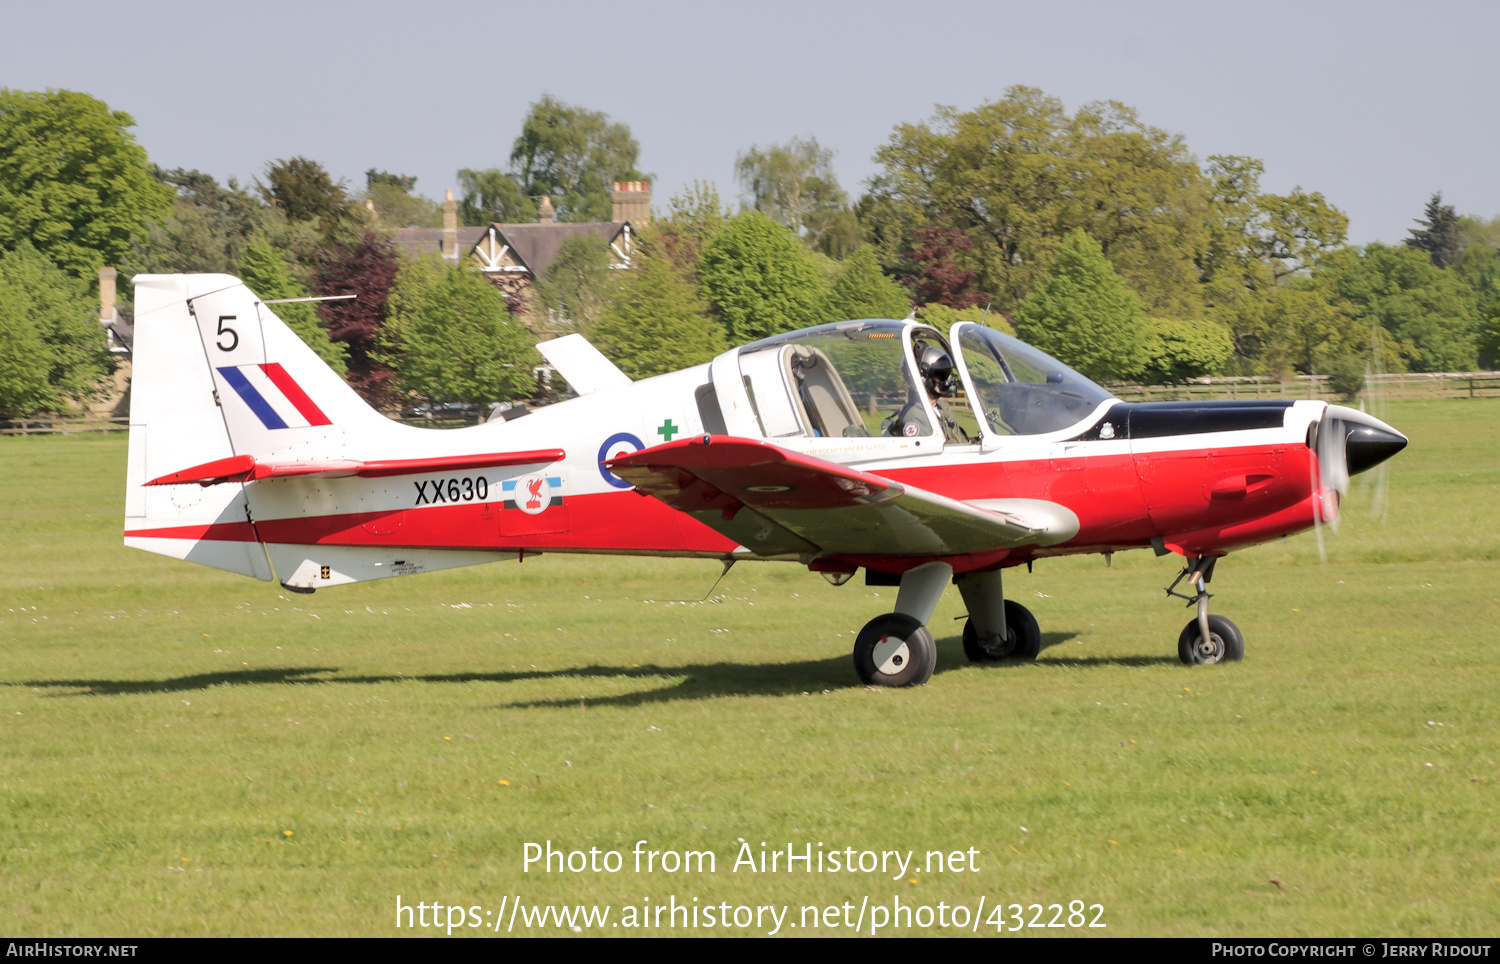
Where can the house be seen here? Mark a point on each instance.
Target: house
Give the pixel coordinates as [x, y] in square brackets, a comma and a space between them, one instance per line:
[513, 256]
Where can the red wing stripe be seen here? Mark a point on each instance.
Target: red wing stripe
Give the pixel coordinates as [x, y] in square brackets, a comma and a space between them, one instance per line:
[295, 394]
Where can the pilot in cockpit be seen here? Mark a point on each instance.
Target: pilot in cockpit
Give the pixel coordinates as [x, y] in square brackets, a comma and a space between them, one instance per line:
[940, 382]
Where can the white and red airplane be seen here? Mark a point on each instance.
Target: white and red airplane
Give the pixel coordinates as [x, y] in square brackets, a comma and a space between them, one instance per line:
[920, 456]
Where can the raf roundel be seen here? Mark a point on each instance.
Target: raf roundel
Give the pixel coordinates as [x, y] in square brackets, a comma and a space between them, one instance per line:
[613, 447]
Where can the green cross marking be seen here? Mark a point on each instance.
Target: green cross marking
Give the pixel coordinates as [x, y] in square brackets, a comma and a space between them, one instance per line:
[668, 430]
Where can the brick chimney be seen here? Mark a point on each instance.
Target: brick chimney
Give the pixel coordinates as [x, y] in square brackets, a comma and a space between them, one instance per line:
[107, 296]
[544, 212]
[632, 201]
[450, 228]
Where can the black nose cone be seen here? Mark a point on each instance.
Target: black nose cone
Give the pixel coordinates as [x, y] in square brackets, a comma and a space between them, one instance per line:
[1367, 446]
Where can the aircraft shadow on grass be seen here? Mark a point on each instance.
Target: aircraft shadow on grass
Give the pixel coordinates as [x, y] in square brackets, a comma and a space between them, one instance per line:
[695, 681]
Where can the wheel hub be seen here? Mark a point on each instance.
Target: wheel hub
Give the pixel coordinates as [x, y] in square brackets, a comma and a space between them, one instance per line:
[999, 646]
[1210, 650]
[891, 654]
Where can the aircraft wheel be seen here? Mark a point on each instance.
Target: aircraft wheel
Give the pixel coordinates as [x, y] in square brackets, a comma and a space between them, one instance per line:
[1023, 637]
[894, 650]
[1225, 643]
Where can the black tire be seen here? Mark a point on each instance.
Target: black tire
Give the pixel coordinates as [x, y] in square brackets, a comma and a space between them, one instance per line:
[909, 662]
[1226, 643]
[1023, 637]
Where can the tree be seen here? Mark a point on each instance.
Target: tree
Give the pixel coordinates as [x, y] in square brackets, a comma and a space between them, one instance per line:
[395, 204]
[73, 181]
[492, 195]
[935, 276]
[207, 230]
[366, 269]
[210, 227]
[1432, 314]
[793, 184]
[1440, 234]
[52, 348]
[760, 278]
[1084, 314]
[1016, 175]
[1178, 350]
[1489, 337]
[1295, 231]
[303, 191]
[266, 273]
[655, 323]
[574, 285]
[451, 339]
[574, 156]
[861, 290]
[943, 318]
[691, 219]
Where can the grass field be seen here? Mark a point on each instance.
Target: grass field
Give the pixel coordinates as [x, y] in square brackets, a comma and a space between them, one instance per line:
[186, 752]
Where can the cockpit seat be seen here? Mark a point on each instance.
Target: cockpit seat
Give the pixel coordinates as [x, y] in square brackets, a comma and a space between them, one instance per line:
[830, 408]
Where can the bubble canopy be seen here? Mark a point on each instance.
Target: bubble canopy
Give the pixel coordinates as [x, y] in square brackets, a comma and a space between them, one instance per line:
[859, 379]
[1020, 390]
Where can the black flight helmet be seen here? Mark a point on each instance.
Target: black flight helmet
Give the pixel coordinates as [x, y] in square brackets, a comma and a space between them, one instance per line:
[937, 371]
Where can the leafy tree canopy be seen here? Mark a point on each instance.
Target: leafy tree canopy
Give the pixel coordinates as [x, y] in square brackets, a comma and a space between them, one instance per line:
[303, 190]
[760, 278]
[396, 206]
[1432, 314]
[366, 269]
[451, 338]
[655, 323]
[73, 181]
[793, 184]
[492, 195]
[1084, 314]
[943, 318]
[861, 290]
[574, 286]
[691, 219]
[574, 156]
[401, 182]
[267, 274]
[52, 348]
[1178, 350]
[210, 227]
[933, 272]
[1018, 174]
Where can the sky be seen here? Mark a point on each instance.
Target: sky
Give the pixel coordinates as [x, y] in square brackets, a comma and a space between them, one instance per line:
[1375, 104]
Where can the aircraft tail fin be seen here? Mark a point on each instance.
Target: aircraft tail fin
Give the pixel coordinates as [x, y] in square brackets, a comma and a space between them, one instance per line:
[216, 375]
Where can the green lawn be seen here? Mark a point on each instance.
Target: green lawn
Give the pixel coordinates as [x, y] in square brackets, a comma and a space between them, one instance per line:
[188, 752]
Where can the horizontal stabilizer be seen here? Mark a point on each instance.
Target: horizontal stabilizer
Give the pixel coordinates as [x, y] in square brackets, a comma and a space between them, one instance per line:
[582, 365]
[245, 468]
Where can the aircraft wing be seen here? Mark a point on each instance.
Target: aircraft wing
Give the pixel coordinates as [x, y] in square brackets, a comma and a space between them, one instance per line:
[817, 506]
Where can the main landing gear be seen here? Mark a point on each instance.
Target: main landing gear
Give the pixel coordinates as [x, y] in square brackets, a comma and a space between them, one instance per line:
[897, 649]
[1205, 639]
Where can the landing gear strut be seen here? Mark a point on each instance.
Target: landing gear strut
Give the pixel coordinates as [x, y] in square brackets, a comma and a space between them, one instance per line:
[997, 628]
[1206, 639]
[897, 649]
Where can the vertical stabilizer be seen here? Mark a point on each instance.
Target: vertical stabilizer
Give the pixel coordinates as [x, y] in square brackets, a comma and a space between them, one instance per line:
[175, 422]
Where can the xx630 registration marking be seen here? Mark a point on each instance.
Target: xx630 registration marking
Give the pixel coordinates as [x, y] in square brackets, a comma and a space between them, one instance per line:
[466, 489]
